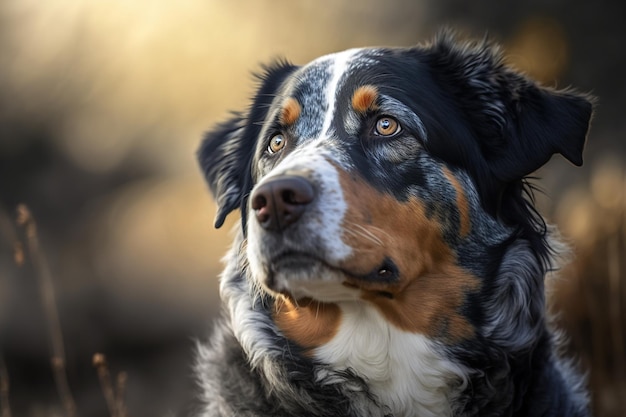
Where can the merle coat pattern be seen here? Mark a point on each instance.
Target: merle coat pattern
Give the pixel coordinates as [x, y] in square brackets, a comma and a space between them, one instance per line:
[389, 260]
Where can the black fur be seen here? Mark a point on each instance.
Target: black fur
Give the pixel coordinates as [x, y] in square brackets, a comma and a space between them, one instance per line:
[483, 120]
[226, 152]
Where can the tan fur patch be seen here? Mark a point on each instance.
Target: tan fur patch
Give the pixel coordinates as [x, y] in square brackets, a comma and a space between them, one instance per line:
[309, 323]
[290, 111]
[431, 288]
[364, 98]
[461, 202]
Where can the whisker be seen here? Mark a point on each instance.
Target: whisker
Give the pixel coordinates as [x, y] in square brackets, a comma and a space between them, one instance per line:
[363, 236]
[376, 229]
[368, 232]
[279, 304]
[365, 232]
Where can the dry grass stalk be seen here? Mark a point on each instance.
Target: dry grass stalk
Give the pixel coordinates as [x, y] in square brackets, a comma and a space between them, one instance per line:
[5, 408]
[46, 289]
[7, 229]
[113, 398]
[614, 273]
[18, 253]
[122, 377]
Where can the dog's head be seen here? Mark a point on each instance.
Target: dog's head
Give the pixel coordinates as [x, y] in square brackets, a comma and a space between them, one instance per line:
[391, 176]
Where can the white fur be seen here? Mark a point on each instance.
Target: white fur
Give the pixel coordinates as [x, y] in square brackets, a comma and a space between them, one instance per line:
[323, 218]
[248, 324]
[404, 370]
[341, 63]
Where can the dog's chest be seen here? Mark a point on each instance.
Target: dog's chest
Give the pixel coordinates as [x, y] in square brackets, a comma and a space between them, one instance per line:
[405, 371]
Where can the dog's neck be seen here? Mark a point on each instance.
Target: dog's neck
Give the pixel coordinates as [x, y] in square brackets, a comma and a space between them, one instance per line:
[406, 374]
[405, 371]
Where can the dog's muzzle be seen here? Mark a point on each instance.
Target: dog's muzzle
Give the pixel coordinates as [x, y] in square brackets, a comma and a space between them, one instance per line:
[280, 201]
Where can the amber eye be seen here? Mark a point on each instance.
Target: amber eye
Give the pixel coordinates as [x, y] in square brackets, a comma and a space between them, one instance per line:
[387, 126]
[277, 143]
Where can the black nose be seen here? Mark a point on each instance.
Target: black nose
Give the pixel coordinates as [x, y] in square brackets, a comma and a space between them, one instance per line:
[279, 202]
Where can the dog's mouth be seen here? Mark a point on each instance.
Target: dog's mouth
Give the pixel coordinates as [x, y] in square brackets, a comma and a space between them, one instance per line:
[301, 274]
[295, 261]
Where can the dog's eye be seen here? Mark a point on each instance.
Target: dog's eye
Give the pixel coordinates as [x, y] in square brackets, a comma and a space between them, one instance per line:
[277, 143]
[387, 126]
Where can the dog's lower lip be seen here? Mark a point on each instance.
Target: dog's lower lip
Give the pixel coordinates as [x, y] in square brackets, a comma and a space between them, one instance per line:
[294, 259]
[303, 260]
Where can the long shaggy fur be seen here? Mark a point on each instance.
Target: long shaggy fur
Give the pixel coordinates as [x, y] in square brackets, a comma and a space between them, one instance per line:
[472, 131]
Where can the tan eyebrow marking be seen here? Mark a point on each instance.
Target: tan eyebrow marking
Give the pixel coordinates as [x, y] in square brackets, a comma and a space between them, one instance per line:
[364, 98]
[290, 112]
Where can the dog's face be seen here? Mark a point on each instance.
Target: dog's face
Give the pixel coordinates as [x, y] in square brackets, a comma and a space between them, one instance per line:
[389, 176]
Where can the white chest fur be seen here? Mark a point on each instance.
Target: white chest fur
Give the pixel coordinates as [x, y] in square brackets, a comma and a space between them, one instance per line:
[404, 370]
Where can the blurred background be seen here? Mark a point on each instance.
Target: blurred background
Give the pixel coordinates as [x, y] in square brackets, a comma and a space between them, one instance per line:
[102, 107]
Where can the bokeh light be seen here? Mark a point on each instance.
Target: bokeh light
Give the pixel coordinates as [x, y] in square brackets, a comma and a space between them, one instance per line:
[102, 108]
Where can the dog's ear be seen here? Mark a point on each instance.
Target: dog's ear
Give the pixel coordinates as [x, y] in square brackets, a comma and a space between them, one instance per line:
[542, 122]
[519, 125]
[224, 156]
[226, 152]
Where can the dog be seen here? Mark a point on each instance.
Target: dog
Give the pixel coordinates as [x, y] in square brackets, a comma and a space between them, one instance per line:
[390, 260]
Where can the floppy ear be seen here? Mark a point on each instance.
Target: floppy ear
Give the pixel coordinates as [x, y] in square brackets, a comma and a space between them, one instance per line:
[542, 122]
[226, 152]
[225, 156]
[518, 124]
